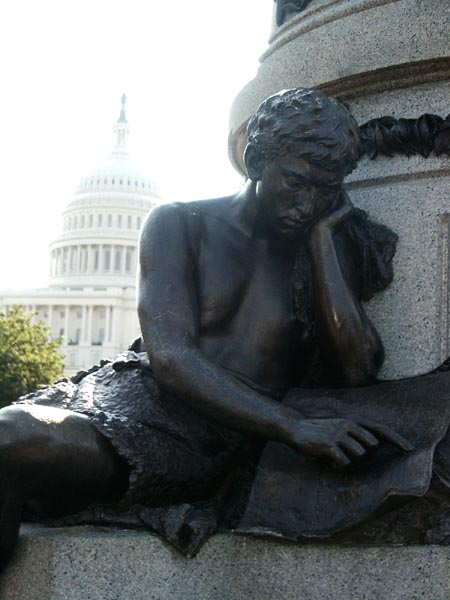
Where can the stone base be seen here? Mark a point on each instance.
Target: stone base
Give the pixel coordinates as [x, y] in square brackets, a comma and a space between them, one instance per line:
[83, 563]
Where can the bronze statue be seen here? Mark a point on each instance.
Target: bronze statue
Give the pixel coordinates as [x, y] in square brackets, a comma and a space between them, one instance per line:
[240, 300]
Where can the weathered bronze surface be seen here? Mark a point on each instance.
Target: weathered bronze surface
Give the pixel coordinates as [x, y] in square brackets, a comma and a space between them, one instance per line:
[328, 501]
[424, 135]
[253, 332]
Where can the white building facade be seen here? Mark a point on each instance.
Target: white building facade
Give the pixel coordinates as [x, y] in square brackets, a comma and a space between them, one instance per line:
[91, 300]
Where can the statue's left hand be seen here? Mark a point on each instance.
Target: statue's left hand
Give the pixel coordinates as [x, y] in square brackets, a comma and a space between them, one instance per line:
[340, 210]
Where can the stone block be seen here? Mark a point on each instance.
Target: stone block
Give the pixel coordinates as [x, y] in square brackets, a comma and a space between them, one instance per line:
[85, 563]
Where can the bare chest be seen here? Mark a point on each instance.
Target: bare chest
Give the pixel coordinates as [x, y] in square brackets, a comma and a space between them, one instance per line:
[244, 285]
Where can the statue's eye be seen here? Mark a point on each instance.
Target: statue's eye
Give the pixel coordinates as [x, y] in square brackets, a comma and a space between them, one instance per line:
[296, 184]
[329, 191]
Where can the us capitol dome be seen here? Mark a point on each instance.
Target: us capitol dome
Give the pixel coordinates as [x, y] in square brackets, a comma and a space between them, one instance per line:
[90, 302]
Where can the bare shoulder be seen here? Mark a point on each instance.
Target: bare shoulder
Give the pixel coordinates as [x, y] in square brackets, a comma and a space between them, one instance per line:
[219, 208]
[179, 218]
[163, 214]
[164, 223]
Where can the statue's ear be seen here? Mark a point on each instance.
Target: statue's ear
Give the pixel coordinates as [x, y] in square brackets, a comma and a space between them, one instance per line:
[254, 162]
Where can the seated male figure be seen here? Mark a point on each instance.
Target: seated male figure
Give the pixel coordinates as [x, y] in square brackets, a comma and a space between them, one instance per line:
[240, 299]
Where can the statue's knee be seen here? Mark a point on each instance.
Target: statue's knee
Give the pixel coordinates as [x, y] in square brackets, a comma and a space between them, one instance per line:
[18, 433]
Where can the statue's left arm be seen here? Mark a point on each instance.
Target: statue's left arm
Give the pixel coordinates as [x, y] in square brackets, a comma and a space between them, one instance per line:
[349, 345]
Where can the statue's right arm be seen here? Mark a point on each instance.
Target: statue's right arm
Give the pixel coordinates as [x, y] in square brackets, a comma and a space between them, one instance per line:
[169, 317]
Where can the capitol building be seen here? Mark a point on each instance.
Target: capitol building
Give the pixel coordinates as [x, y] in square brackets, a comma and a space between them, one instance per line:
[91, 299]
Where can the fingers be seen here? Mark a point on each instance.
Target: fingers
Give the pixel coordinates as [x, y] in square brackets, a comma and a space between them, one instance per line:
[359, 438]
[334, 217]
[363, 435]
[387, 434]
[352, 447]
[339, 456]
[355, 443]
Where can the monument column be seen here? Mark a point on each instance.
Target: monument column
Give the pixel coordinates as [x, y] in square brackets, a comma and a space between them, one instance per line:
[384, 59]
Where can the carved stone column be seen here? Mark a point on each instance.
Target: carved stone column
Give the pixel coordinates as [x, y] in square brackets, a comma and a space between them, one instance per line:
[384, 58]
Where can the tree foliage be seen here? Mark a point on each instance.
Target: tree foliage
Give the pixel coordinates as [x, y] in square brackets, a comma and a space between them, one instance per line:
[28, 357]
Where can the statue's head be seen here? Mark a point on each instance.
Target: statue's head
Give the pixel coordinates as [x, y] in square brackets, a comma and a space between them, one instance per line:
[307, 124]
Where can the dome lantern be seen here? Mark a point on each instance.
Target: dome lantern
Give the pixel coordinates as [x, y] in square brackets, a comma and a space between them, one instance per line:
[121, 129]
[98, 244]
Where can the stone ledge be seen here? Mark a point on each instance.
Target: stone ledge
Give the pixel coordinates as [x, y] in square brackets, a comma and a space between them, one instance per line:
[87, 563]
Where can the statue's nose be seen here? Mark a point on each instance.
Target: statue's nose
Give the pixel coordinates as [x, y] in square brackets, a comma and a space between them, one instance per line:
[305, 204]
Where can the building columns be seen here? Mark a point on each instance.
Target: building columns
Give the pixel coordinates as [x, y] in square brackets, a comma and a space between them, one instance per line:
[108, 324]
[114, 326]
[50, 315]
[89, 324]
[66, 324]
[83, 325]
[90, 267]
[100, 258]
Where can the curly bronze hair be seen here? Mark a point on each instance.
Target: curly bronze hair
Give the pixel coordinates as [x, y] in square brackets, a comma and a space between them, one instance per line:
[308, 124]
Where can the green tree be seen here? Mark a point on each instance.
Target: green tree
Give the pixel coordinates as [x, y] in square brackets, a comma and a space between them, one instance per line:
[28, 357]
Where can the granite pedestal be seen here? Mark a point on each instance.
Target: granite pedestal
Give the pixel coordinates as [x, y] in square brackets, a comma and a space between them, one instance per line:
[383, 57]
[84, 563]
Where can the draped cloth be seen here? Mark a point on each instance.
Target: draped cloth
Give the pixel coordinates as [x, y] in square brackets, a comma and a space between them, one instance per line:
[299, 497]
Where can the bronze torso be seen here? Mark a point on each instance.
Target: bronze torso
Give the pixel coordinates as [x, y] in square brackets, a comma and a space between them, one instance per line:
[247, 320]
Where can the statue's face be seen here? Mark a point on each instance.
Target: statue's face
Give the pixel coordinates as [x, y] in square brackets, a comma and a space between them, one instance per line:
[294, 193]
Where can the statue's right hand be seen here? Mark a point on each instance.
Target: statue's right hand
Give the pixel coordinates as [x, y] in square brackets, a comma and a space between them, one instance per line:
[342, 440]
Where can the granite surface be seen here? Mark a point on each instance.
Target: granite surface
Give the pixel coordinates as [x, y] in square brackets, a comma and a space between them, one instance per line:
[377, 35]
[412, 316]
[104, 564]
[411, 195]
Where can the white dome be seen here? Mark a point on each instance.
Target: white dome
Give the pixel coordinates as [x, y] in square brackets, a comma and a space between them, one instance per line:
[98, 244]
[118, 174]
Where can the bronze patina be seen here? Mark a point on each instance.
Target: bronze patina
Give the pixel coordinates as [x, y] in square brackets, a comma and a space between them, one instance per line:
[254, 340]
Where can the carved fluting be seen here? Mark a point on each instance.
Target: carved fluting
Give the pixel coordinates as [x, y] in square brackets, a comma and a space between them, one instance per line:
[389, 136]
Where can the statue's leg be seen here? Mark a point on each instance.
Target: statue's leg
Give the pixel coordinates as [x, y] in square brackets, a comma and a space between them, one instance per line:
[55, 461]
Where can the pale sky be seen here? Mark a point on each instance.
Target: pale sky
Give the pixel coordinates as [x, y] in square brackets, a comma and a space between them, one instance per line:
[64, 67]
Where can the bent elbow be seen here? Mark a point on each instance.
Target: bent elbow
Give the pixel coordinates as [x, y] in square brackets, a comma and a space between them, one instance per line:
[363, 370]
[164, 364]
[358, 377]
